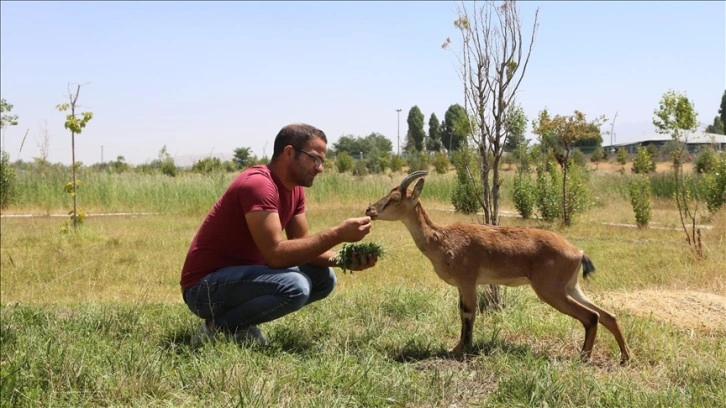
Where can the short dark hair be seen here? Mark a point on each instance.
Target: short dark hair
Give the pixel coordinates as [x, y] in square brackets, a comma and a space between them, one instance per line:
[296, 135]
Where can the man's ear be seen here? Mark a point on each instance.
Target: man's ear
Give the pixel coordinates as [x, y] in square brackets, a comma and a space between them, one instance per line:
[289, 150]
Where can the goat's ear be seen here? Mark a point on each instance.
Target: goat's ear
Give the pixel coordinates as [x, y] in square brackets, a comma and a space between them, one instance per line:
[417, 189]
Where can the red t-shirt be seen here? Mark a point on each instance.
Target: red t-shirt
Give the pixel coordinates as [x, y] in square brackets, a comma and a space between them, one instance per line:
[224, 239]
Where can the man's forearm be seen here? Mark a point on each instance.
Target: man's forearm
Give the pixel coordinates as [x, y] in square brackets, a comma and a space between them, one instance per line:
[313, 249]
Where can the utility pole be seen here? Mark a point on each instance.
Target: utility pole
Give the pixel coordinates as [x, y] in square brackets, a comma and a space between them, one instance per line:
[612, 132]
[101, 154]
[398, 132]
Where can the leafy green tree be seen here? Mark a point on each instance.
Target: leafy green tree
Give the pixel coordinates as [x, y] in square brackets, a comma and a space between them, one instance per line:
[418, 161]
[524, 194]
[119, 165]
[344, 162]
[597, 156]
[677, 117]
[7, 181]
[719, 123]
[208, 165]
[441, 162]
[465, 196]
[715, 184]
[640, 199]
[564, 132]
[75, 123]
[515, 125]
[706, 160]
[350, 144]
[622, 155]
[165, 163]
[717, 126]
[643, 162]
[6, 119]
[456, 128]
[243, 157]
[592, 139]
[373, 144]
[416, 133]
[397, 163]
[433, 141]
[377, 144]
[7, 173]
[377, 163]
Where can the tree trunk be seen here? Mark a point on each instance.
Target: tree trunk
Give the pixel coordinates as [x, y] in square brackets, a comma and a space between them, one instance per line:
[73, 171]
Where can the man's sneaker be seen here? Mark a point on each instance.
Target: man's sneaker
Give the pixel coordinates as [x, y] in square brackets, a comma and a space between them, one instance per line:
[250, 335]
[204, 335]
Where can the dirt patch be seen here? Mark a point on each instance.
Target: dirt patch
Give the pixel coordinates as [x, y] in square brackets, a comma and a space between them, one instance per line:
[700, 311]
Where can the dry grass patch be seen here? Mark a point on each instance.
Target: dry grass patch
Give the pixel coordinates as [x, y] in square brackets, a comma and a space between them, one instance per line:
[700, 311]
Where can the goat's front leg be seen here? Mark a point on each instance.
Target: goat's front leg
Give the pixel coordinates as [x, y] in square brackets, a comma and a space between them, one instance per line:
[467, 310]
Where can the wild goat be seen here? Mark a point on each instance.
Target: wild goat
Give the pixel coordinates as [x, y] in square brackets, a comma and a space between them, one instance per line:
[465, 255]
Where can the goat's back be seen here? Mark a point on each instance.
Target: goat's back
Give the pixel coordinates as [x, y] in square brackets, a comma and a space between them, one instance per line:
[507, 247]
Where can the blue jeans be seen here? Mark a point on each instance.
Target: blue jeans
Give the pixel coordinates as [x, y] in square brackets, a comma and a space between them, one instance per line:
[237, 297]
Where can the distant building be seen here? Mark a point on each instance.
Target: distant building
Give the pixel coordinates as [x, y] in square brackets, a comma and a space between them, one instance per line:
[693, 140]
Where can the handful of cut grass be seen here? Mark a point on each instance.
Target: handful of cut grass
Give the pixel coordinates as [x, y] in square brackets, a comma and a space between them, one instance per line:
[353, 254]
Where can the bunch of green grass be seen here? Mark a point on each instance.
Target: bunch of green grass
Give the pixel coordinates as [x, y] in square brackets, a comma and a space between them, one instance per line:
[355, 253]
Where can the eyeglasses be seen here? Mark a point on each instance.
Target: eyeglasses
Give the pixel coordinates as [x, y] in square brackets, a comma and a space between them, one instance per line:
[317, 159]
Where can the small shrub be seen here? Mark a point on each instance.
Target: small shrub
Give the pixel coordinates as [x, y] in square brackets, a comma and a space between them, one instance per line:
[640, 199]
[418, 161]
[706, 160]
[715, 184]
[578, 157]
[344, 162]
[361, 168]
[376, 164]
[524, 194]
[598, 155]
[207, 165]
[548, 189]
[467, 191]
[441, 163]
[396, 163]
[643, 162]
[622, 155]
[7, 181]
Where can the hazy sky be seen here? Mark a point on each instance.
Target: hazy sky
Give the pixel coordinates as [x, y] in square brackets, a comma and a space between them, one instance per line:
[208, 77]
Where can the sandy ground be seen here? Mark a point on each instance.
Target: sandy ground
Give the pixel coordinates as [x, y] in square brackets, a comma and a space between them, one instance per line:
[705, 312]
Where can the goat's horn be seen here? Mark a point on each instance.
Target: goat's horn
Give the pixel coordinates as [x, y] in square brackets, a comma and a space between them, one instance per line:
[411, 177]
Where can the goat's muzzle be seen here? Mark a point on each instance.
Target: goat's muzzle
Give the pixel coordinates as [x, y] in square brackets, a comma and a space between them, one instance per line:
[372, 212]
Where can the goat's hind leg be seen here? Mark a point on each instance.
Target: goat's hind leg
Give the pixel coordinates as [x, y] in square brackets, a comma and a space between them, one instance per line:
[467, 310]
[561, 301]
[607, 319]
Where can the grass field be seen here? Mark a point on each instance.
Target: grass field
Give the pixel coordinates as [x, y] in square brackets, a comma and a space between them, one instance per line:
[95, 318]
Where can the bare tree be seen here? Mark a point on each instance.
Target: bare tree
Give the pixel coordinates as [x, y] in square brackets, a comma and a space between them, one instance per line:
[43, 142]
[492, 62]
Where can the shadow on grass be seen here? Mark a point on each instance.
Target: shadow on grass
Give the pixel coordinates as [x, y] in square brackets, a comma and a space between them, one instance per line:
[412, 352]
[181, 341]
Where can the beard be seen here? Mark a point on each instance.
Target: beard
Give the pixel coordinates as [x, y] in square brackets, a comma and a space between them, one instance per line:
[303, 176]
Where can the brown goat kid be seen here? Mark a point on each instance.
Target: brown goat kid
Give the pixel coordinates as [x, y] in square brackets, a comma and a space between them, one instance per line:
[466, 255]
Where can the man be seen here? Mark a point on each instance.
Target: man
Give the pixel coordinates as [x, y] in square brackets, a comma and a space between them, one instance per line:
[239, 271]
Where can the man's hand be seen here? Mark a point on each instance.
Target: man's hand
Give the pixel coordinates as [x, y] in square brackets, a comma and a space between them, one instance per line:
[354, 229]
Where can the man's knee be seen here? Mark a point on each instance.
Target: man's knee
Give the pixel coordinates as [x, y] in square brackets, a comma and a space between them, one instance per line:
[297, 290]
[323, 281]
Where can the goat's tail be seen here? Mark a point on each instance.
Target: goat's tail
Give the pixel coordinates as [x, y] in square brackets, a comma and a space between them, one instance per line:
[587, 266]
